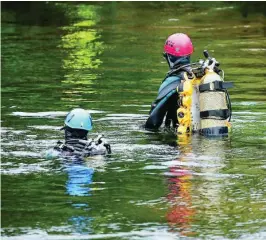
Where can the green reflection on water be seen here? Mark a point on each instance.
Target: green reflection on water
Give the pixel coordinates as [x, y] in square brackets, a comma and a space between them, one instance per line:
[82, 50]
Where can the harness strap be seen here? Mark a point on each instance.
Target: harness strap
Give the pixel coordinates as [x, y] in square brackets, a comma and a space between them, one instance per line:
[214, 131]
[222, 113]
[187, 68]
[180, 88]
[215, 85]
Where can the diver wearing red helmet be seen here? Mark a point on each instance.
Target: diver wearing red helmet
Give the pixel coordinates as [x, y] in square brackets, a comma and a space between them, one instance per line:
[177, 50]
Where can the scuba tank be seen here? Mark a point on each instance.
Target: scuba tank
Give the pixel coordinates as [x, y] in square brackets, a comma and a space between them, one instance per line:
[215, 105]
[205, 105]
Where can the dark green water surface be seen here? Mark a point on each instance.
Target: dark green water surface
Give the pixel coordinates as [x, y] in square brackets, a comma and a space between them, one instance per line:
[107, 58]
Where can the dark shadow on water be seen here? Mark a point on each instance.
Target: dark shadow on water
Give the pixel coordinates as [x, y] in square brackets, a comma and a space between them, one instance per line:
[63, 13]
[36, 13]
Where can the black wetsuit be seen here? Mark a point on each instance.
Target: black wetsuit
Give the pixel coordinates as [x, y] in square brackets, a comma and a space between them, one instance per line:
[166, 102]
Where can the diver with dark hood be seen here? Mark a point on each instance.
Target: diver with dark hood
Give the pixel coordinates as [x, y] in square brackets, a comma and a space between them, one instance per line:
[78, 123]
[177, 50]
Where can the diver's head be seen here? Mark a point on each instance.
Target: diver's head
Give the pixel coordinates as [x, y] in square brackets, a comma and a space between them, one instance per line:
[78, 123]
[177, 49]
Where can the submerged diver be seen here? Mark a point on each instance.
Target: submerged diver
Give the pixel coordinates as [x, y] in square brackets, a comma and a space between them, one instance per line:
[177, 50]
[78, 123]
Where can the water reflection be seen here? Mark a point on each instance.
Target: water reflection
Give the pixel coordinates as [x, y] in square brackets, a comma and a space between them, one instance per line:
[82, 47]
[79, 181]
[180, 213]
[199, 157]
[79, 178]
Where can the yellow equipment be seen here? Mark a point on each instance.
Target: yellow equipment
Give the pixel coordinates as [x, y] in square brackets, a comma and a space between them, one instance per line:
[204, 104]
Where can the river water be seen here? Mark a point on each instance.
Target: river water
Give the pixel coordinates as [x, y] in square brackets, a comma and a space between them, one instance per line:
[108, 59]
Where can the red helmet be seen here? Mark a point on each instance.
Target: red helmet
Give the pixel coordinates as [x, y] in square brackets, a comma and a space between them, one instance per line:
[179, 45]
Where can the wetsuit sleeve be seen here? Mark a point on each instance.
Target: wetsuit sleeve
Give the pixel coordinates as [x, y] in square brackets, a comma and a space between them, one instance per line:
[158, 111]
[166, 102]
[172, 106]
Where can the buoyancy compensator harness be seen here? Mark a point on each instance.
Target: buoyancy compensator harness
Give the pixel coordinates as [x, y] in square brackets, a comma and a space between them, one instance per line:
[188, 111]
[180, 73]
[84, 148]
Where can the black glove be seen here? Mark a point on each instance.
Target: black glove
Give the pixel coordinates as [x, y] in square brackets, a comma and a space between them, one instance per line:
[108, 148]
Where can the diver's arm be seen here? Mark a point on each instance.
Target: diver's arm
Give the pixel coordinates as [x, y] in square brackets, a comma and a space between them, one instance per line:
[99, 146]
[155, 119]
[171, 116]
[161, 105]
[158, 112]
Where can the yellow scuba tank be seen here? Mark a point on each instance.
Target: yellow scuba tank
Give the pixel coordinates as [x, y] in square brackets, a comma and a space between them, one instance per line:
[204, 104]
